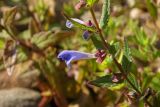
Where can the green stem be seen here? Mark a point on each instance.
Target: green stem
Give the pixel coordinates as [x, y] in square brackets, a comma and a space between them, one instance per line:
[106, 45]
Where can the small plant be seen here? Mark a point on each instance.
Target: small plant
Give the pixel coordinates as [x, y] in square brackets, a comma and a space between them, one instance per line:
[121, 56]
[108, 59]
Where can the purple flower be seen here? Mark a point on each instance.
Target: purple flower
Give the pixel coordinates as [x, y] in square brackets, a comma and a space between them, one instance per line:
[70, 55]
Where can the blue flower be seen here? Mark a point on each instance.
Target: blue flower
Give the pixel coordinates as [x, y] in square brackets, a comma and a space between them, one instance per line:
[70, 55]
[86, 35]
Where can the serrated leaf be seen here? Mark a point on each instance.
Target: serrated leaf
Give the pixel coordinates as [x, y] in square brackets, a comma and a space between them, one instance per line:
[134, 81]
[105, 81]
[126, 59]
[126, 64]
[105, 14]
[152, 9]
[97, 41]
[91, 2]
[81, 26]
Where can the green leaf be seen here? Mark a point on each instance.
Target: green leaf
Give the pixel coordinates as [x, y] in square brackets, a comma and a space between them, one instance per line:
[90, 3]
[126, 64]
[113, 48]
[134, 81]
[126, 59]
[152, 9]
[105, 81]
[105, 14]
[81, 26]
[97, 41]
[127, 51]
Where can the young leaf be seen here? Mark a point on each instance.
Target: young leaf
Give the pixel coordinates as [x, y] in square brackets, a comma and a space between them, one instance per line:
[126, 59]
[81, 26]
[90, 3]
[105, 81]
[105, 14]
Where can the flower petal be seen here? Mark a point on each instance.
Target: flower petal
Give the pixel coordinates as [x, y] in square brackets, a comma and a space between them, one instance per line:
[69, 55]
[68, 63]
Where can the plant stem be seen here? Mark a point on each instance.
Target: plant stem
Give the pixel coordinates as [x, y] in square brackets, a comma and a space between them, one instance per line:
[106, 45]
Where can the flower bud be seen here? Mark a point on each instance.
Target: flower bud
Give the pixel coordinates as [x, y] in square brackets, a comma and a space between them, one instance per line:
[80, 4]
